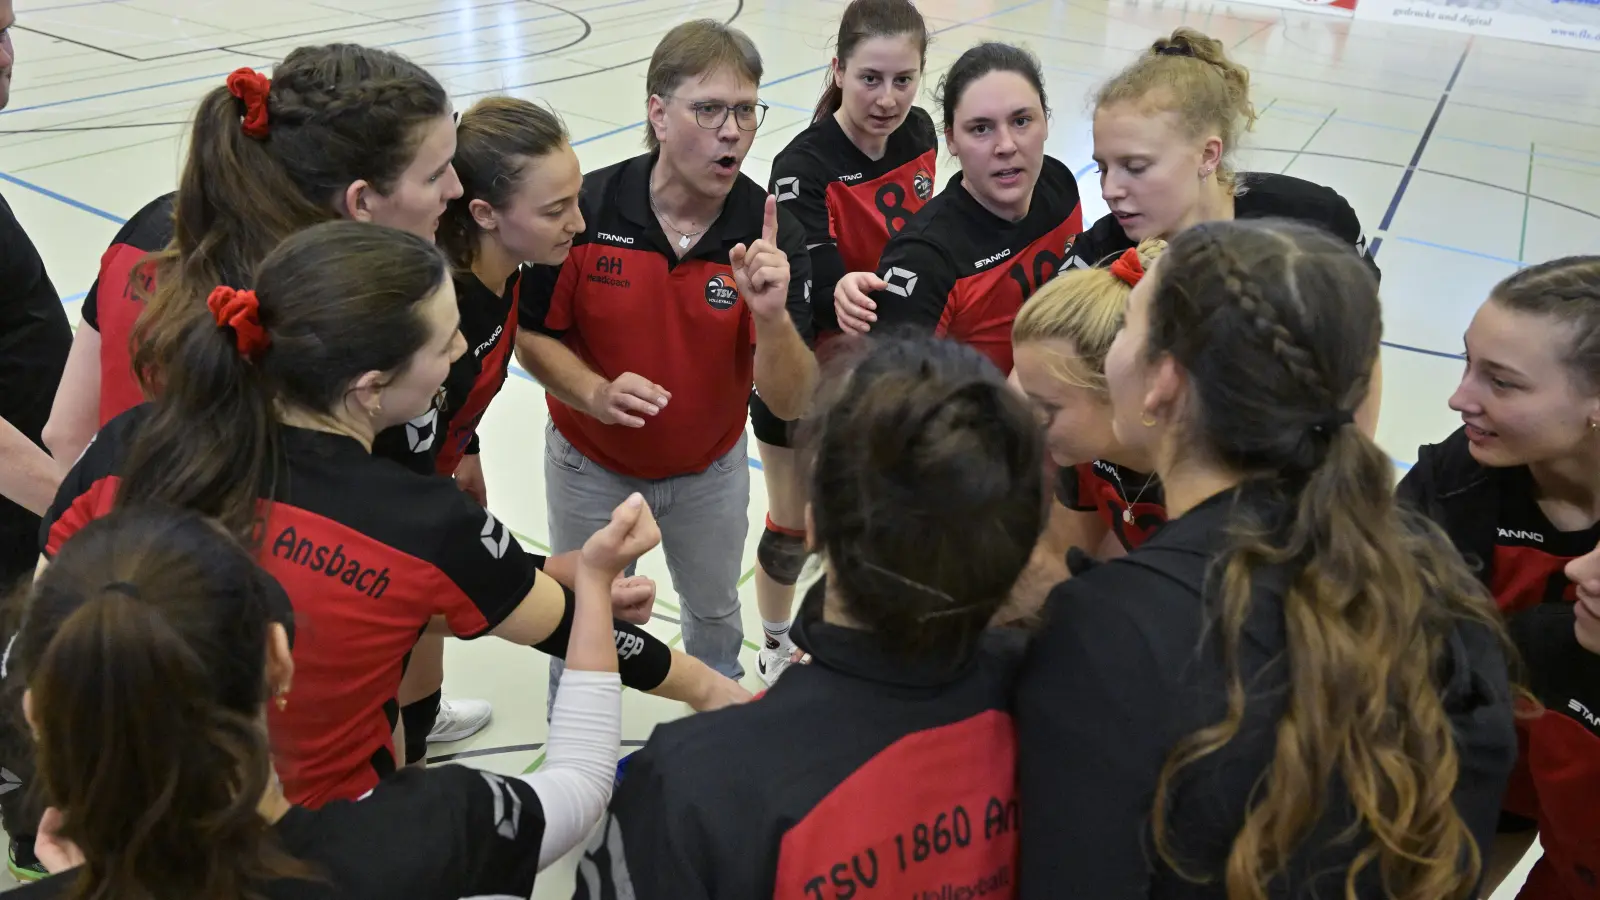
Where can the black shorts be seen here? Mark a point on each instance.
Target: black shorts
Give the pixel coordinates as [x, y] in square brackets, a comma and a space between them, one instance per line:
[769, 428]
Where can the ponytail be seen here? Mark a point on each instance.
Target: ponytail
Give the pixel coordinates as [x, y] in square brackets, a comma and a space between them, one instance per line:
[332, 115]
[333, 302]
[1277, 326]
[212, 438]
[863, 20]
[119, 692]
[145, 649]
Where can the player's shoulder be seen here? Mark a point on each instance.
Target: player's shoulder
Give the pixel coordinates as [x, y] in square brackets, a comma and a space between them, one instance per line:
[150, 229]
[1285, 196]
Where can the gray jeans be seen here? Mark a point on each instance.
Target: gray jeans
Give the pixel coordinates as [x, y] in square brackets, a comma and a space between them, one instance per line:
[704, 519]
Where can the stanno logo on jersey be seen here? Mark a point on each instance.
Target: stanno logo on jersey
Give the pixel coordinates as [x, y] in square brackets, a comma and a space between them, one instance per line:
[477, 351]
[421, 431]
[855, 177]
[614, 238]
[495, 536]
[1584, 713]
[900, 281]
[788, 189]
[987, 260]
[922, 183]
[720, 292]
[1516, 534]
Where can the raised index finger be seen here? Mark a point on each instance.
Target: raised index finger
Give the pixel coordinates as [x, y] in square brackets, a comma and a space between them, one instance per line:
[769, 226]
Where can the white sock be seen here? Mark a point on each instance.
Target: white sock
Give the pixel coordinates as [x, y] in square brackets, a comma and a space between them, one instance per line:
[778, 634]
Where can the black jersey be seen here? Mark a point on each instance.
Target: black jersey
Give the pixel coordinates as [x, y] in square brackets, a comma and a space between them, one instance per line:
[368, 552]
[435, 441]
[1129, 663]
[1493, 519]
[1265, 195]
[907, 790]
[958, 270]
[850, 204]
[112, 307]
[34, 340]
[1104, 488]
[441, 833]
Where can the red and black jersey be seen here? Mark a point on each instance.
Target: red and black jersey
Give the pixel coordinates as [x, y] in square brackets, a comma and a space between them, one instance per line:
[908, 789]
[958, 270]
[368, 552]
[440, 833]
[850, 204]
[623, 302]
[111, 307]
[435, 441]
[1493, 519]
[1557, 780]
[1103, 487]
[1262, 195]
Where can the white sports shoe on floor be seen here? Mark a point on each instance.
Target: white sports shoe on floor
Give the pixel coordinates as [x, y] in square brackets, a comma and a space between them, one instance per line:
[459, 720]
[771, 662]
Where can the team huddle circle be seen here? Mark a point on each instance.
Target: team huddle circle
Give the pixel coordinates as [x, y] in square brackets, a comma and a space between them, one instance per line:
[1081, 572]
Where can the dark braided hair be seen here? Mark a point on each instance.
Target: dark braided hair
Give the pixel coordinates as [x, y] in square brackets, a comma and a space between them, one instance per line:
[1277, 326]
[1567, 290]
[926, 475]
[336, 114]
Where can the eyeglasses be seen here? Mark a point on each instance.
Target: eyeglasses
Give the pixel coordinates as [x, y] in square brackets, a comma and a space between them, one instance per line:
[711, 114]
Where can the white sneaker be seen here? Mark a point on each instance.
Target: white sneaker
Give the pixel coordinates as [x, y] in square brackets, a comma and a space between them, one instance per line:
[459, 720]
[771, 662]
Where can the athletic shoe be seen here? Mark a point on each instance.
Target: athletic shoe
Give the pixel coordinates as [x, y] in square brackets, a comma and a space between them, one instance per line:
[771, 662]
[459, 720]
[28, 869]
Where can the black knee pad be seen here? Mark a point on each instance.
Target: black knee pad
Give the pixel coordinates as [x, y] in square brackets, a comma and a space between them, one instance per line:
[419, 718]
[781, 555]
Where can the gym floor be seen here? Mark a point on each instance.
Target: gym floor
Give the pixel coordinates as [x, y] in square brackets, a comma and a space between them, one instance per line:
[1465, 158]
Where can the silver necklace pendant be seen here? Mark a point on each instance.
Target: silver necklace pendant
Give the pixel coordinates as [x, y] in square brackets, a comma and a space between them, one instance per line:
[683, 242]
[1127, 515]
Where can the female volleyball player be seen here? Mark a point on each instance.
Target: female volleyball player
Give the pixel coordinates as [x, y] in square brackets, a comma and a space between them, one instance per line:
[269, 404]
[852, 179]
[964, 265]
[1309, 690]
[1059, 343]
[520, 182]
[910, 786]
[1517, 487]
[152, 647]
[339, 130]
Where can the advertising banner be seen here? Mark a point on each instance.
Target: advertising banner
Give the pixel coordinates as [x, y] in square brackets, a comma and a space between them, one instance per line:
[1564, 23]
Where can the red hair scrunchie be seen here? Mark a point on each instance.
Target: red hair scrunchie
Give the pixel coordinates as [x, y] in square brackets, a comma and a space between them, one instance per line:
[241, 311]
[251, 87]
[1128, 267]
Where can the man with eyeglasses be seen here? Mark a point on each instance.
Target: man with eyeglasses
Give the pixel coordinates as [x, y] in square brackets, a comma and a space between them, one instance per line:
[687, 287]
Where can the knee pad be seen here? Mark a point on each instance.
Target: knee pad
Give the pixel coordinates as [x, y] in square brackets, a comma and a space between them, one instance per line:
[419, 718]
[781, 554]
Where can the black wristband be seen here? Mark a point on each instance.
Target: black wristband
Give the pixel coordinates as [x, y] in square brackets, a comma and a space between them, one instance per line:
[642, 659]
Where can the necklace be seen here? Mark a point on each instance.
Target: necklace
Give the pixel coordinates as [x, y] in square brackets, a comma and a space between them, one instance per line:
[1127, 513]
[685, 238]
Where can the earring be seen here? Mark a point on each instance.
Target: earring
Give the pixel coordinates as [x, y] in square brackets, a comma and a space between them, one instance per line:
[281, 700]
[1204, 174]
[1147, 420]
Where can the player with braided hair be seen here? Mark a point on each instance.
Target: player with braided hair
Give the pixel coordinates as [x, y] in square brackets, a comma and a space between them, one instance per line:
[1517, 487]
[338, 131]
[1310, 687]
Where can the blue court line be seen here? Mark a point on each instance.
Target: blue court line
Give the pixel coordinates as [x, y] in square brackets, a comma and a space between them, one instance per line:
[1401, 129]
[1423, 350]
[75, 297]
[77, 204]
[1422, 145]
[1078, 175]
[1461, 250]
